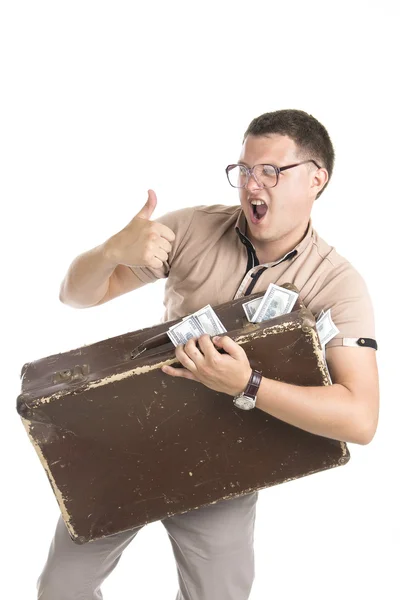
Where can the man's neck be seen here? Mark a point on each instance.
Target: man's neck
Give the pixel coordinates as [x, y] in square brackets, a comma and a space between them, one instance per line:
[272, 251]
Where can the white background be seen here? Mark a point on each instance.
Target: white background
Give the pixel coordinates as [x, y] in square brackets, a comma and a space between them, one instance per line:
[101, 101]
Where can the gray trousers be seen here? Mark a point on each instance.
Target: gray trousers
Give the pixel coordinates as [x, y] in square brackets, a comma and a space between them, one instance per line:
[213, 548]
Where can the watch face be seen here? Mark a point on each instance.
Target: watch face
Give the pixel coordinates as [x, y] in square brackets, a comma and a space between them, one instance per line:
[244, 403]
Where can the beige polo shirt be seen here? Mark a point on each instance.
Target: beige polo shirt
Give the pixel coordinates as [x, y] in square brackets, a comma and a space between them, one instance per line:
[212, 261]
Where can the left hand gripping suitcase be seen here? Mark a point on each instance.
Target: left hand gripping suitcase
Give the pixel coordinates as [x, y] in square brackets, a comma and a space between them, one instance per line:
[123, 444]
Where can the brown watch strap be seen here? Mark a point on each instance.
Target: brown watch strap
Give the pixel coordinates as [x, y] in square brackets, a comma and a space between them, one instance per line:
[254, 384]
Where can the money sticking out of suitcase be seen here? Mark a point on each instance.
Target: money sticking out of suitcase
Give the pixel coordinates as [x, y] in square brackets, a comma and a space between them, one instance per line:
[124, 444]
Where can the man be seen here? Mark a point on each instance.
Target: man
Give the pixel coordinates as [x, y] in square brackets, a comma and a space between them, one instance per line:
[212, 254]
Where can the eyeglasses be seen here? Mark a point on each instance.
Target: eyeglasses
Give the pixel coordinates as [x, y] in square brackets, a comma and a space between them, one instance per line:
[264, 175]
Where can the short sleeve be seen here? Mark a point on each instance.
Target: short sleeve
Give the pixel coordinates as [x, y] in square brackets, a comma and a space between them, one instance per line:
[179, 222]
[344, 292]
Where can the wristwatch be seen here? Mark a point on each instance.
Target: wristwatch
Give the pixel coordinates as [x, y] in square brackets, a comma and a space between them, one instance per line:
[247, 399]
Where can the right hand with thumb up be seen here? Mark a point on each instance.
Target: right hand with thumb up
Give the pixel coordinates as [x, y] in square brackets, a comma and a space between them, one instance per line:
[142, 243]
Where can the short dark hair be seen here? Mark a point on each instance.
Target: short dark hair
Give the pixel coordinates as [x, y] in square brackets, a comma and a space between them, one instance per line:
[310, 136]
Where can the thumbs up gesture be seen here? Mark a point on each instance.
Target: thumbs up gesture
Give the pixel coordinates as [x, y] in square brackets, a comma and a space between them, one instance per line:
[142, 243]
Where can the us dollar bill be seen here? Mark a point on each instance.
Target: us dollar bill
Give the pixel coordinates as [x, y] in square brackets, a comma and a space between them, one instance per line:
[209, 321]
[326, 328]
[182, 332]
[250, 308]
[275, 302]
[203, 321]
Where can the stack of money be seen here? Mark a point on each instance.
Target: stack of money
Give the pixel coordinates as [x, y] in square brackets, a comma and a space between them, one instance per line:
[279, 301]
[203, 321]
[326, 328]
[276, 301]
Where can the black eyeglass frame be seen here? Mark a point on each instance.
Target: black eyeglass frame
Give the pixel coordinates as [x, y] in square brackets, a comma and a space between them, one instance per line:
[278, 170]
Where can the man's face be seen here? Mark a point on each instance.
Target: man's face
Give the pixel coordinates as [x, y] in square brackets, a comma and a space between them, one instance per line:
[289, 203]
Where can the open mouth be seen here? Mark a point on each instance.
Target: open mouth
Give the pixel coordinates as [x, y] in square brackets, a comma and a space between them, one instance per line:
[258, 210]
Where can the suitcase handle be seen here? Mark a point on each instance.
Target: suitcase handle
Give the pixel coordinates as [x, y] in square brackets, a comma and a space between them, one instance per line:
[155, 342]
[163, 338]
[150, 344]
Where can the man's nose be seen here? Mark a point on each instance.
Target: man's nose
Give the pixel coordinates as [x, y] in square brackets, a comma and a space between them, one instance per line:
[252, 183]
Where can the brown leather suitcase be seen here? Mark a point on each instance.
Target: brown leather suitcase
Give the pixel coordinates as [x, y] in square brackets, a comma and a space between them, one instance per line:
[123, 444]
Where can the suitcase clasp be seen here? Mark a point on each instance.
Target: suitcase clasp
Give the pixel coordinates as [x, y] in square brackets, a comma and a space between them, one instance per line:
[77, 373]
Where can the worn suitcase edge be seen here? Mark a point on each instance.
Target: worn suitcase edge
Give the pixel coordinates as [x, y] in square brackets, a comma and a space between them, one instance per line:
[57, 493]
[343, 460]
[305, 321]
[78, 539]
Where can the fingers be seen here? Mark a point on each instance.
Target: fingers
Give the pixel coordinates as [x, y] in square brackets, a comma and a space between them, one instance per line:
[148, 209]
[193, 358]
[164, 244]
[158, 249]
[165, 232]
[184, 359]
[230, 347]
[161, 250]
[161, 255]
[178, 372]
[159, 246]
[208, 349]
[193, 352]
[155, 263]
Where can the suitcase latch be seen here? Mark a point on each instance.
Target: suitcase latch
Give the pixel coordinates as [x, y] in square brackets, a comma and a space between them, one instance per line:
[77, 373]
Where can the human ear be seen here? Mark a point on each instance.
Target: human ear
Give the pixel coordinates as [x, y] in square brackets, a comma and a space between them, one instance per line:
[319, 179]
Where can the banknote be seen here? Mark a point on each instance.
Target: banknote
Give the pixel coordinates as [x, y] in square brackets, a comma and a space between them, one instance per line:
[209, 321]
[250, 308]
[275, 302]
[202, 321]
[326, 328]
[182, 332]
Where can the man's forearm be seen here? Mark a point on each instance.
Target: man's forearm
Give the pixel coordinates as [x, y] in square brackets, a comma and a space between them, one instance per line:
[329, 411]
[87, 278]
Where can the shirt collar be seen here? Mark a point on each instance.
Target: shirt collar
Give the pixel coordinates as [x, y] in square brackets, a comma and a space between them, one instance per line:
[240, 229]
